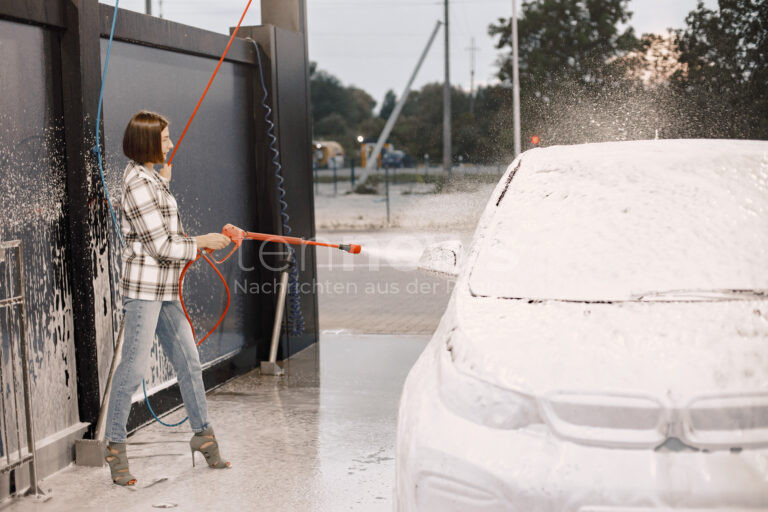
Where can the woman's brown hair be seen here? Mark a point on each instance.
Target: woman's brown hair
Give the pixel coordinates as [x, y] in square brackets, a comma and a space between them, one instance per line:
[142, 141]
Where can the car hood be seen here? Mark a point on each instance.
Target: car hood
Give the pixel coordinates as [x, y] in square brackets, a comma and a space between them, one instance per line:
[670, 349]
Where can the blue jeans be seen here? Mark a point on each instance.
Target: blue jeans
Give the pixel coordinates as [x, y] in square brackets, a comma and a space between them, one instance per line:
[144, 319]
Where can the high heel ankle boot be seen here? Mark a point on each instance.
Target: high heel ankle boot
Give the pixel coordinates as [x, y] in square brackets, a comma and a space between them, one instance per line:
[205, 443]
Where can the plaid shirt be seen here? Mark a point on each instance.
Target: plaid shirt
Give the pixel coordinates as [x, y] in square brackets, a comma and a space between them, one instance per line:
[155, 249]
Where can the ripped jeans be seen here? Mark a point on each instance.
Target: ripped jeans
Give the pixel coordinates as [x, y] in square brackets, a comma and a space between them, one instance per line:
[144, 319]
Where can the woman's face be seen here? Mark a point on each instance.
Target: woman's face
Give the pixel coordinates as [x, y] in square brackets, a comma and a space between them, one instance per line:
[165, 137]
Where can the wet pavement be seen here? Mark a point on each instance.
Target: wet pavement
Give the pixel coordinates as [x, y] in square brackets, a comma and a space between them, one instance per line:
[320, 438]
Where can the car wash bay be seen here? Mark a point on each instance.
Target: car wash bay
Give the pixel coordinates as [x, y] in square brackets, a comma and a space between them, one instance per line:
[320, 436]
[52, 201]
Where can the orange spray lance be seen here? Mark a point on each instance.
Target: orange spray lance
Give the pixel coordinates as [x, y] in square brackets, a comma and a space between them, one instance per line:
[237, 236]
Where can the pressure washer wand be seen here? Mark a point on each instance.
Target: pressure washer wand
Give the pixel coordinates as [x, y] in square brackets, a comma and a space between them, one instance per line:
[237, 236]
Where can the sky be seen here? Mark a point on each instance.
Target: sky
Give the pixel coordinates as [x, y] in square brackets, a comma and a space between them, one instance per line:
[375, 44]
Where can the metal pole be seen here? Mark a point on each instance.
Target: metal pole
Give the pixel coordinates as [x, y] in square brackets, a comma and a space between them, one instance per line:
[447, 100]
[278, 316]
[352, 174]
[335, 185]
[3, 422]
[472, 64]
[314, 167]
[271, 367]
[148, 7]
[515, 79]
[374, 157]
[33, 483]
[386, 180]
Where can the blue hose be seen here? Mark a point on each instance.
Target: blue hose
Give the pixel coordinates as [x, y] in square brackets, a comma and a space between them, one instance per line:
[146, 399]
[97, 150]
[295, 317]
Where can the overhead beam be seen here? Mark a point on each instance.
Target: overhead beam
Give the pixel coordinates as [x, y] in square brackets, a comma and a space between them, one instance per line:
[41, 12]
[138, 28]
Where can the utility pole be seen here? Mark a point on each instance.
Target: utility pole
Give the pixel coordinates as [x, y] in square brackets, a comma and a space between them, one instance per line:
[160, 8]
[515, 79]
[148, 7]
[373, 158]
[473, 49]
[447, 100]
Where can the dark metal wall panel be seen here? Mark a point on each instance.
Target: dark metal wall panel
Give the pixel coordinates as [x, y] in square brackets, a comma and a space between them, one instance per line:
[33, 209]
[213, 177]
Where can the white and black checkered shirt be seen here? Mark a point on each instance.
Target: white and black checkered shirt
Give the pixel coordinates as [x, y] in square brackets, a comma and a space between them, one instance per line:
[155, 249]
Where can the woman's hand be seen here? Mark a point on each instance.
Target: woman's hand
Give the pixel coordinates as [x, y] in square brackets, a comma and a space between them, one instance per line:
[213, 241]
[166, 171]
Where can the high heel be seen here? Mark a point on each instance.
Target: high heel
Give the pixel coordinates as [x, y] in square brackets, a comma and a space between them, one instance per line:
[205, 443]
[118, 464]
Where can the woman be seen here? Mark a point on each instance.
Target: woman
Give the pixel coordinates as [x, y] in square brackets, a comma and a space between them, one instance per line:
[155, 252]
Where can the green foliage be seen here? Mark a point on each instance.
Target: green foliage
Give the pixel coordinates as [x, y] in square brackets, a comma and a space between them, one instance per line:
[390, 100]
[572, 72]
[725, 58]
[569, 41]
[337, 111]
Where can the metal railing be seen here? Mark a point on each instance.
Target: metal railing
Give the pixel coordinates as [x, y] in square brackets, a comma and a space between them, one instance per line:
[28, 455]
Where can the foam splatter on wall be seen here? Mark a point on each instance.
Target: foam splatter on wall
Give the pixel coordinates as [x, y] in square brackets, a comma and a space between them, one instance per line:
[32, 209]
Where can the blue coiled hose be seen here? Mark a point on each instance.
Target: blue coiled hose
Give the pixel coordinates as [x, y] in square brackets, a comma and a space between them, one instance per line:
[295, 317]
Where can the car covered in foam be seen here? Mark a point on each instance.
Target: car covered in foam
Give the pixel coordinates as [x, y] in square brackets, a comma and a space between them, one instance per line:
[605, 347]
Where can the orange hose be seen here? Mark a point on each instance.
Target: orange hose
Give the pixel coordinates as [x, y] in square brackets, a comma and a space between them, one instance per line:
[170, 161]
[200, 101]
[181, 296]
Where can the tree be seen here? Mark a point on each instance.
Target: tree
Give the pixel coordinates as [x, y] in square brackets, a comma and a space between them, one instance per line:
[362, 105]
[565, 40]
[332, 126]
[328, 96]
[390, 101]
[338, 112]
[569, 53]
[725, 73]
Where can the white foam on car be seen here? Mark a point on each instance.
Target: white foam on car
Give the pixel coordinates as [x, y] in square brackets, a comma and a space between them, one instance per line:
[607, 223]
[615, 220]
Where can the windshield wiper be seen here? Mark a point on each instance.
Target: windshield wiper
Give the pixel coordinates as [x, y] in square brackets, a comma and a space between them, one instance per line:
[700, 295]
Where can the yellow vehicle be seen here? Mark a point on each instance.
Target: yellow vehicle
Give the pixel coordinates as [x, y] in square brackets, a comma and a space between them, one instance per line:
[327, 153]
[366, 148]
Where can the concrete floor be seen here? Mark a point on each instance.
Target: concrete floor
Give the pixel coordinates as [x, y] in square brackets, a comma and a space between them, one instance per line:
[319, 439]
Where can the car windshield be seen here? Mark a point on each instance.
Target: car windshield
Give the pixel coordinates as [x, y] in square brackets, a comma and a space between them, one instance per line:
[603, 223]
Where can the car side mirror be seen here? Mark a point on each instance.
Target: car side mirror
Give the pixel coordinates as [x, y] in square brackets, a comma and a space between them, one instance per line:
[443, 259]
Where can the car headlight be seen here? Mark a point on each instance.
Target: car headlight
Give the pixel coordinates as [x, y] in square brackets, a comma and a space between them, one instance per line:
[479, 401]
